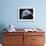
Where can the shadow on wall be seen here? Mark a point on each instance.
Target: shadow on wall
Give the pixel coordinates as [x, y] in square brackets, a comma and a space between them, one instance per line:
[2, 26]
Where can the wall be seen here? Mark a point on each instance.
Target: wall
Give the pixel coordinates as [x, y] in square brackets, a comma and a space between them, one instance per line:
[8, 13]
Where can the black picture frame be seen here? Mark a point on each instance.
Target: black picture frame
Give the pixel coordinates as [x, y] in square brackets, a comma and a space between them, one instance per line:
[26, 14]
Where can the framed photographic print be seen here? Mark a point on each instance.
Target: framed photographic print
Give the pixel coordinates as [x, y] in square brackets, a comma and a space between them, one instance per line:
[26, 14]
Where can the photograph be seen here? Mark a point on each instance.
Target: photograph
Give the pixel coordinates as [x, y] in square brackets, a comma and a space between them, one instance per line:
[26, 14]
